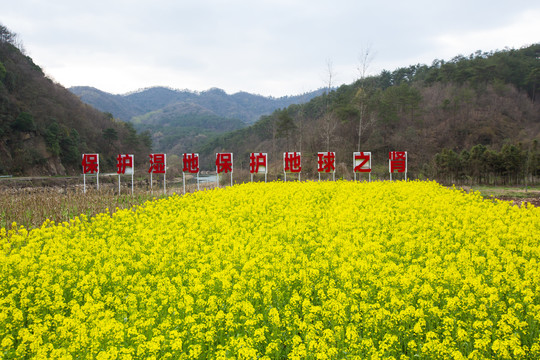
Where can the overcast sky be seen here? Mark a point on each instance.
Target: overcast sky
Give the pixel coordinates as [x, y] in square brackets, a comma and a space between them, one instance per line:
[268, 47]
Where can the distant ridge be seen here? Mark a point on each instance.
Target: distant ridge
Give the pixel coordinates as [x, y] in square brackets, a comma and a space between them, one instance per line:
[182, 120]
[241, 105]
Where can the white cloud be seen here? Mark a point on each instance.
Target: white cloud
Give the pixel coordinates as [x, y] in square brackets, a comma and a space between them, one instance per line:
[268, 47]
[524, 30]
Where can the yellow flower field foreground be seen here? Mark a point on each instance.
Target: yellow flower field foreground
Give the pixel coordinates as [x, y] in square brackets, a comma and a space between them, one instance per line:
[330, 270]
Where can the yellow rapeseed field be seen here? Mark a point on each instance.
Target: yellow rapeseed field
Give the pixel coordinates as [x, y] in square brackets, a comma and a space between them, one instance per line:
[330, 270]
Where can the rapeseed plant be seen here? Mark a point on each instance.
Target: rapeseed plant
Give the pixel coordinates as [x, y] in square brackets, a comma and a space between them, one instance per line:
[330, 270]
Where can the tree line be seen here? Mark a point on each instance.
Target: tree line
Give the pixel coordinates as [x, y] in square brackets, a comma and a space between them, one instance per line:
[513, 164]
[487, 99]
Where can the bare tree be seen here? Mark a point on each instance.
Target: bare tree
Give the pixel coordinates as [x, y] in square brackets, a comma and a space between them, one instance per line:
[300, 120]
[329, 127]
[329, 124]
[361, 97]
[330, 73]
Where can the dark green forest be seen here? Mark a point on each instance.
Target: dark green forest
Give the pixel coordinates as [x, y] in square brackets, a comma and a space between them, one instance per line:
[473, 118]
[44, 128]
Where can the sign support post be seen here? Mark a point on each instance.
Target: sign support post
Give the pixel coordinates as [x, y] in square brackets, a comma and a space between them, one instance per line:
[224, 164]
[125, 165]
[158, 165]
[258, 164]
[326, 163]
[292, 163]
[191, 165]
[397, 161]
[90, 164]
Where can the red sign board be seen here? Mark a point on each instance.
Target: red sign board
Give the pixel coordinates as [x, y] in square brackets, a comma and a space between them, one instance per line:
[397, 161]
[326, 162]
[90, 163]
[124, 164]
[258, 163]
[191, 163]
[362, 162]
[224, 162]
[292, 162]
[158, 163]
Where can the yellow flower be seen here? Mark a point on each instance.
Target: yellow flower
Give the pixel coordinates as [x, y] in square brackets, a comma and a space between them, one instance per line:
[279, 270]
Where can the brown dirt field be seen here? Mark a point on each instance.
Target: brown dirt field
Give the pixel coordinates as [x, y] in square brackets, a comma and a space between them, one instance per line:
[521, 201]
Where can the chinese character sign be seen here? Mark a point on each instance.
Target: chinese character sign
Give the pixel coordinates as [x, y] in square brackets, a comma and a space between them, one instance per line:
[292, 162]
[224, 162]
[191, 163]
[397, 161]
[158, 163]
[362, 162]
[90, 163]
[124, 163]
[257, 163]
[326, 162]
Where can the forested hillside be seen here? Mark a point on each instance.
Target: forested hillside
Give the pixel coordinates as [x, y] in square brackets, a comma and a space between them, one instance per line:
[470, 118]
[44, 128]
[181, 119]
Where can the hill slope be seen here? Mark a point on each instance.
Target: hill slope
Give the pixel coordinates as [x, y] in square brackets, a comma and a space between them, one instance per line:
[44, 128]
[486, 99]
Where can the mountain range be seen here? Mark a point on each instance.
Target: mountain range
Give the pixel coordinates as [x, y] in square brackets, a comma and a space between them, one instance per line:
[178, 120]
[472, 118]
[241, 106]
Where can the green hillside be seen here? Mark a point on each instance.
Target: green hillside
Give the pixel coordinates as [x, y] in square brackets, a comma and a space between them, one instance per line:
[180, 127]
[456, 118]
[181, 119]
[44, 128]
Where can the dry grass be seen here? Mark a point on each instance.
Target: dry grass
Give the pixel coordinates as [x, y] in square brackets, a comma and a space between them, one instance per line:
[31, 206]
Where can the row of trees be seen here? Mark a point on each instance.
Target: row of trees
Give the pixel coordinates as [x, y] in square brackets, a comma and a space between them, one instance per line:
[519, 67]
[512, 165]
